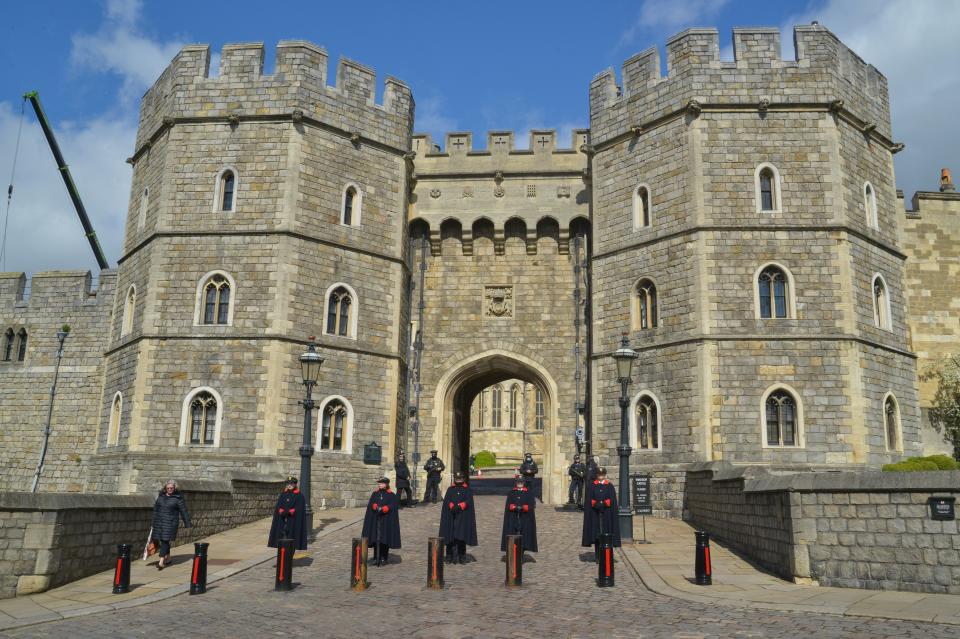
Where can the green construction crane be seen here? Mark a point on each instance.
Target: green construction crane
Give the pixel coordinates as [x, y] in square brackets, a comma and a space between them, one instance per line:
[34, 98]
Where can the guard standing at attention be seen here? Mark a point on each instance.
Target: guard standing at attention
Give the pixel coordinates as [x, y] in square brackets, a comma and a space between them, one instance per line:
[381, 524]
[528, 469]
[520, 517]
[403, 480]
[434, 468]
[600, 512]
[458, 521]
[289, 520]
[577, 472]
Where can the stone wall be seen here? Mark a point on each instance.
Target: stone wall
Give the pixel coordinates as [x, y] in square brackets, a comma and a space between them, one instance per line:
[49, 539]
[854, 530]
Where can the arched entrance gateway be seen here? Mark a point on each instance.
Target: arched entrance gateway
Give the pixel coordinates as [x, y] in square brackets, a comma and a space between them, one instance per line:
[458, 389]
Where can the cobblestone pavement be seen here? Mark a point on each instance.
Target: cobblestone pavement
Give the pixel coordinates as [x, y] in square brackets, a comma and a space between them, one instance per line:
[559, 599]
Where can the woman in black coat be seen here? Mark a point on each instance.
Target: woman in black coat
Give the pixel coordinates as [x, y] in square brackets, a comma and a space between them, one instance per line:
[169, 508]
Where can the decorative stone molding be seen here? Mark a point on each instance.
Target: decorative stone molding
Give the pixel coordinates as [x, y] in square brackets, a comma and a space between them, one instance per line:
[498, 301]
[836, 106]
[434, 193]
[694, 108]
[763, 105]
[297, 116]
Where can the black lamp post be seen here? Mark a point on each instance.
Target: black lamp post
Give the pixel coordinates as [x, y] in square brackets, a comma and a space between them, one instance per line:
[310, 363]
[624, 357]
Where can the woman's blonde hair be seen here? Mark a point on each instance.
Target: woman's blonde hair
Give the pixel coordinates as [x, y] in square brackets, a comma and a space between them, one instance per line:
[171, 481]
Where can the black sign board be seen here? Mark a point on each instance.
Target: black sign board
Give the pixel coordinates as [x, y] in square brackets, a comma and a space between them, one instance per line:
[641, 495]
[371, 454]
[941, 508]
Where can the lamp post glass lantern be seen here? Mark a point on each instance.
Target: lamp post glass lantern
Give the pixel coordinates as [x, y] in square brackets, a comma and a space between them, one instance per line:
[310, 363]
[624, 358]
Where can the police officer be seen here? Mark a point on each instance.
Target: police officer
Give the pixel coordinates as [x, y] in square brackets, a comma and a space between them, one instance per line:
[528, 469]
[403, 480]
[577, 472]
[434, 468]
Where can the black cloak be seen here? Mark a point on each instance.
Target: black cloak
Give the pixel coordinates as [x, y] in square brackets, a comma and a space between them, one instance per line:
[403, 474]
[458, 521]
[591, 470]
[529, 469]
[389, 532]
[519, 522]
[286, 525]
[597, 516]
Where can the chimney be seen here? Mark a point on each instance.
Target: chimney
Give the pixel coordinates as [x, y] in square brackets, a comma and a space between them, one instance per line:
[946, 182]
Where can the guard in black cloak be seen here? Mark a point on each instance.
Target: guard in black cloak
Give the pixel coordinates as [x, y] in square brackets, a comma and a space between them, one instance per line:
[600, 512]
[458, 521]
[403, 480]
[520, 517]
[577, 472]
[528, 469]
[592, 467]
[434, 468]
[381, 524]
[289, 520]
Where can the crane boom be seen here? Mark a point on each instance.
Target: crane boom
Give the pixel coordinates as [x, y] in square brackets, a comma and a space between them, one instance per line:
[34, 98]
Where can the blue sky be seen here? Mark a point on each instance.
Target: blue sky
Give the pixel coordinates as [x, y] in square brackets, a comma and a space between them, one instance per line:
[472, 66]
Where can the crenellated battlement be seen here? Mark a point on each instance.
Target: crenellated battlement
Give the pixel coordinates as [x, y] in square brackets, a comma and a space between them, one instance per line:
[57, 289]
[825, 70]
[499, 143]
[297, 89]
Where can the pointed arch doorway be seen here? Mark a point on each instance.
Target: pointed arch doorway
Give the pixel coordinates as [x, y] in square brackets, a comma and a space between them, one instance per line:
[457, 390]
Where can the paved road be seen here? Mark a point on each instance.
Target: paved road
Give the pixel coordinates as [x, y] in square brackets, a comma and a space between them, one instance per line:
[559, 599]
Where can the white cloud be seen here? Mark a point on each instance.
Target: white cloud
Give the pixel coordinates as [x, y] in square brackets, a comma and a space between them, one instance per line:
[430, 118]
[671, 14]
[915, 45]
[121, 48]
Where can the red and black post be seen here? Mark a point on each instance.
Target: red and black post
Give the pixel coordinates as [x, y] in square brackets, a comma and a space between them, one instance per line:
[198, 574]
[121, 575]
[514, 561]
[605, 565]
[285, 550]
[358, 564]
[435, 563]
[702, 566]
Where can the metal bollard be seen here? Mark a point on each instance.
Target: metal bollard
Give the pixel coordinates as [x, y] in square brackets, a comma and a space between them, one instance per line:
[198, 576]
[435, 563]
[121, 575]
[285, 550]
[514, 561]
[605, 566]
[358, 564]
[702, 565]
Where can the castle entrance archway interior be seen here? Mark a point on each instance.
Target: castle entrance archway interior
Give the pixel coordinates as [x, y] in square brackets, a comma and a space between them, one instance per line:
[502, 405]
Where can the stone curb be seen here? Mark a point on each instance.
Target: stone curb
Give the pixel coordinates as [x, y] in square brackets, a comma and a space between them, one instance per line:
[654, 583]
[172, 591]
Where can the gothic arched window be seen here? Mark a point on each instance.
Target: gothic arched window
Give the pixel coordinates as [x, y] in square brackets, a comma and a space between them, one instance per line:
[870, 206]
[891, 421]
[514, 402]
[774, 293]
[339, 308]
[216, 300]
[497, 405]
[116, 410]
[781, 419]
[648, 425]
[767, 185]
[21, 344]
[203, 418]
[540, 410]
[350, 216]
[645, 314]
[128, 308]
[226, 189]
[642, 213]
[8, 339]
[881, 304]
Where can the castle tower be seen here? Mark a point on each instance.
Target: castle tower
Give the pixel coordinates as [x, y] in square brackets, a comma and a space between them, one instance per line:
[746, 236]
[265, 209]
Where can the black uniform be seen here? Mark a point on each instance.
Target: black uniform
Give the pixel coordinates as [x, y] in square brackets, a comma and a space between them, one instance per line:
[403, 482]
[577, 472]
[592, 467]
[289, 519]
[434, 468]
[381, 524]
[528, 470]
[600, 513]
[520, 518]
[458, 521]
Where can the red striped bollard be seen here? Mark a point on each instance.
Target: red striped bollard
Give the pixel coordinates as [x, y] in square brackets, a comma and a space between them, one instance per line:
[702, 564]
[514, 561]
[605, 565]
[198, 574]
[285, 550]
[358, 564]
[435, 563]
[121, 574]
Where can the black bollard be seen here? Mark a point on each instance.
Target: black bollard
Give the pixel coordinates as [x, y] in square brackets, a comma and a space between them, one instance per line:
[358, 564]
[121, 576]
[435, 563]
[702, 565]
[514, 561]
[198, 576]
[605, 566]
[285, 550]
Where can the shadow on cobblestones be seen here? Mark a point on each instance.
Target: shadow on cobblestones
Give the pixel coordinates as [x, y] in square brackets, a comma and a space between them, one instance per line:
[558, 599]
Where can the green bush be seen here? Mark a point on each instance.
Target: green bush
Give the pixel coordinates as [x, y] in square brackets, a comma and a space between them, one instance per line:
[484, 459]
[919, 464]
